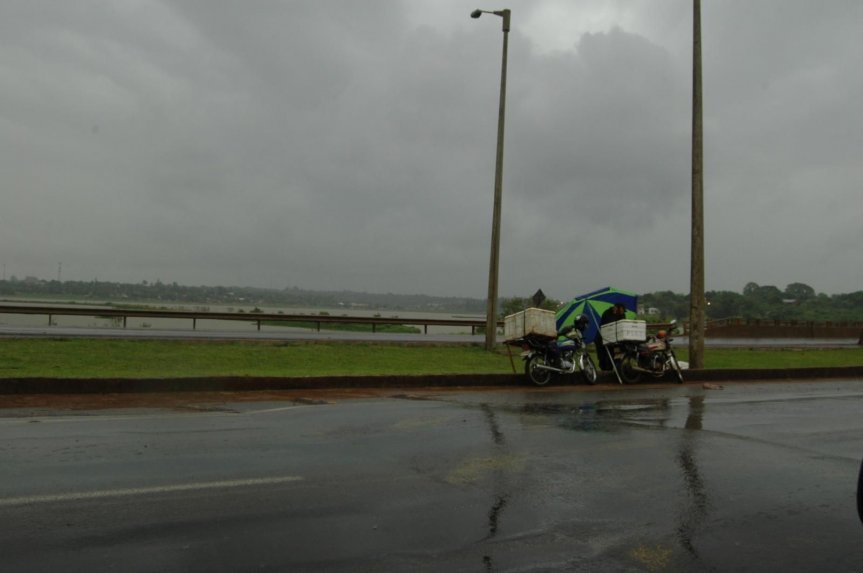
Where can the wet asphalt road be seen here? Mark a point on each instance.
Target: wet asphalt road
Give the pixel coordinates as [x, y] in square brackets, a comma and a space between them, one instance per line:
[757, 477]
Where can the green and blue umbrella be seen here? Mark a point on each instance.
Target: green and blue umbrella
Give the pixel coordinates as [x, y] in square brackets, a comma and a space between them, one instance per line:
[592, 305]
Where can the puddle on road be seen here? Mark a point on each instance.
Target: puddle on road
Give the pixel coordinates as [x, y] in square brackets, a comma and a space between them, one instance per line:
[615, 415]
[602, 416]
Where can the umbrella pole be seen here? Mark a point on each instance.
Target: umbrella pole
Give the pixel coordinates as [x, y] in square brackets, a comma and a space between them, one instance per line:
[613, 366]
[511, 363]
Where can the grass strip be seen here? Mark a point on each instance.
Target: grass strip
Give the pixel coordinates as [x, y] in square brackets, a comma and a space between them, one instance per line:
[777, 357]
[88, 358]
[84, 358]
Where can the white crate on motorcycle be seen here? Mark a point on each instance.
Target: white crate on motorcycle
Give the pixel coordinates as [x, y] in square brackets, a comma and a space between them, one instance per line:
[621, 330]
[533, 321]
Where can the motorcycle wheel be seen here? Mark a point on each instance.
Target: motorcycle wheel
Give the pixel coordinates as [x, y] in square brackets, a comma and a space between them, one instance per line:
[661, 364]
[627, 370]
[672, 359]
[588, 370]
[538, 376]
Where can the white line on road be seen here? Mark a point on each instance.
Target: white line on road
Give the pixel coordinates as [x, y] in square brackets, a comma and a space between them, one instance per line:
[91, 418]
[281, 409]
[128, 492]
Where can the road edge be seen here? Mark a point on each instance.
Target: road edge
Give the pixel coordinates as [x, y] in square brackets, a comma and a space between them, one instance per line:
[12, 386]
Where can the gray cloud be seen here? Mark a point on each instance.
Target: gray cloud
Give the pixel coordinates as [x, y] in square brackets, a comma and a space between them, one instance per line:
[351, 145]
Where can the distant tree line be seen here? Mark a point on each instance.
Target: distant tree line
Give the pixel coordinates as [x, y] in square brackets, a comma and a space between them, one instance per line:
[798, 301]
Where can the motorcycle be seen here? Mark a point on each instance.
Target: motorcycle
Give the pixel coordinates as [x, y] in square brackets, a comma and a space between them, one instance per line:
[544, 358]
[655, 356]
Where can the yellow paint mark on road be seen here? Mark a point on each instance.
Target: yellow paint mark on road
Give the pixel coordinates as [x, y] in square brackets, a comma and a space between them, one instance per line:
[474, 469]
[654, 558]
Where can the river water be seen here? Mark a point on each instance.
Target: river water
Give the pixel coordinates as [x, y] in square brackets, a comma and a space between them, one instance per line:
[152, 323]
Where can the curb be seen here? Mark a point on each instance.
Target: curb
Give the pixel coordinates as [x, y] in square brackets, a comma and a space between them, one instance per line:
[18, 386]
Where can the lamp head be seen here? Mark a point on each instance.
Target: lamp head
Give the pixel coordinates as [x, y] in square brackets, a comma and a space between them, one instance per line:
[476, 14]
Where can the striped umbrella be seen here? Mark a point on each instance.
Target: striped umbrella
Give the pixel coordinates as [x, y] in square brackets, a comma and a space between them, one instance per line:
[593, 305]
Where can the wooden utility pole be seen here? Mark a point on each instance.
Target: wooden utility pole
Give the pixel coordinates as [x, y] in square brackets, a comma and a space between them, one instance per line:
[696, 283]
[494, 259]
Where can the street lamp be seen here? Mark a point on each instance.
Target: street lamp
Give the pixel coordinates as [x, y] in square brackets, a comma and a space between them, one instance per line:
[491, 308]
[697, 315]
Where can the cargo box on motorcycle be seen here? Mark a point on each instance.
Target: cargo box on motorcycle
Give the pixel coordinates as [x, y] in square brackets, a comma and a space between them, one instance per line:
[621, 330]
[530, 322]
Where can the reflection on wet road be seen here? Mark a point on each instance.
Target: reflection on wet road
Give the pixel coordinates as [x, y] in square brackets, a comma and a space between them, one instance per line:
[500, 493]
[750, 478]
[695, 504]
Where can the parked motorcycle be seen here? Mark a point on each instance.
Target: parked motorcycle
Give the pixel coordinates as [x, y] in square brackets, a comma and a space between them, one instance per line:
[655, 356]
[544, 358]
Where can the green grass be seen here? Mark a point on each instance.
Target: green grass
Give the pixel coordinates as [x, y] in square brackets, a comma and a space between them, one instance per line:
[778, 357]
[82, 358]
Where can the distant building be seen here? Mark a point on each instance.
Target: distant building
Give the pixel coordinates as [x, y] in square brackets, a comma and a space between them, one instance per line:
[649, 311]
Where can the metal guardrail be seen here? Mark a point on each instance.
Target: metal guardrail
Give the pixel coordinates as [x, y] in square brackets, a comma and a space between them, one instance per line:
[319, 319]
[256, 317]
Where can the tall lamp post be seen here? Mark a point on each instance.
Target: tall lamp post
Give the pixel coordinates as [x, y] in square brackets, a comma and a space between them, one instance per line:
[491, 308]
[697, 307]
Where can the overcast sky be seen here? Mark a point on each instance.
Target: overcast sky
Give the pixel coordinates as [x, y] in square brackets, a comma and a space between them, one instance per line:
[350, 145]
